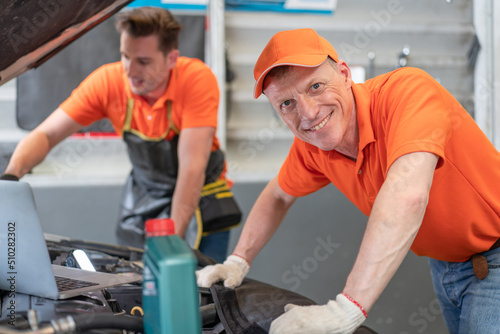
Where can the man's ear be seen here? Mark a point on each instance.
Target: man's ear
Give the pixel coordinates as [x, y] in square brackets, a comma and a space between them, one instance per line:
[345, 72]
[172, 56]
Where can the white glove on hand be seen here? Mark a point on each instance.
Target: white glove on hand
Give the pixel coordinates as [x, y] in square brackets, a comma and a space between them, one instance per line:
[232, 272]
[340, 316]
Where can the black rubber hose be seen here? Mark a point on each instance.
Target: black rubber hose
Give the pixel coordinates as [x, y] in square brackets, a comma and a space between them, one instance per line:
[208, 315]
[108, 321]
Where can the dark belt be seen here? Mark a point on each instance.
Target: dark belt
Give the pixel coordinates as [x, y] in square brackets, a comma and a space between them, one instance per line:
[479, 263]
[495, 245]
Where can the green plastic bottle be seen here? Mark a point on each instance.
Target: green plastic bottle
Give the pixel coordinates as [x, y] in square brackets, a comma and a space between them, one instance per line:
[170, 296]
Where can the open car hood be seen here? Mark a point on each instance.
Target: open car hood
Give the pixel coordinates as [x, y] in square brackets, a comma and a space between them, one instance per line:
[33, 31]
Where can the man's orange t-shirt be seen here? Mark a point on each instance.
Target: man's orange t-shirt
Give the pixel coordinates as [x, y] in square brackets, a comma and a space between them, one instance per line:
[192, 88]
[407, 111]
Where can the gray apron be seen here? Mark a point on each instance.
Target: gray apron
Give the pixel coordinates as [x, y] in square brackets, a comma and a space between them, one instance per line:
[150, 186]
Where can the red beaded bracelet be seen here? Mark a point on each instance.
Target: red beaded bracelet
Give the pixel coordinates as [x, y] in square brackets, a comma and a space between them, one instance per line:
[356, 303]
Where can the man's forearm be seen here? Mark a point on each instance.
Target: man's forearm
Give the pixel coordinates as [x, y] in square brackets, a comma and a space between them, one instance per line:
[194, 152]
[33, 148]
[186, 198]
[394, 222]
[30, 151]
[385, 244]
[264, 219]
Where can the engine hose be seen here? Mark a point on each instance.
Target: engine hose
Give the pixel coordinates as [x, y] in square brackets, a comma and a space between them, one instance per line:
[103, 321]
[208, 315]
[80, 323]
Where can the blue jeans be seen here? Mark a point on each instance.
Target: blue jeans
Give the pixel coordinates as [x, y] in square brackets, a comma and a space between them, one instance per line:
[469, 305]
[215, 245]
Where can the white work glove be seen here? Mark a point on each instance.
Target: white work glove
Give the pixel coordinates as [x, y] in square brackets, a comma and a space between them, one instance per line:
[232, 272]
[340, 316]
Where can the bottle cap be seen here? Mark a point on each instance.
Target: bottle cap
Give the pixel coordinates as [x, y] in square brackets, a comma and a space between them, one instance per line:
[157, 227]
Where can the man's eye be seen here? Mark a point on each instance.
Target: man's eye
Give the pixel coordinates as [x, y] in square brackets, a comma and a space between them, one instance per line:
[315, 86]
[286, 105]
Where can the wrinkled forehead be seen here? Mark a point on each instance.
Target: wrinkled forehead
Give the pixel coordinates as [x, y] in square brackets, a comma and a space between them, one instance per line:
[289, 75]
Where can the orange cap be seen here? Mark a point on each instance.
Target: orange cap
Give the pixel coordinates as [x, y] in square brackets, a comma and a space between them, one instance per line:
[300, 47]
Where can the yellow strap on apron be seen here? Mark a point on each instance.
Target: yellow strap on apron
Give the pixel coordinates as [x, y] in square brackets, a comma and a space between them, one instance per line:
[214, 187]
[128, 122]
[199, 224]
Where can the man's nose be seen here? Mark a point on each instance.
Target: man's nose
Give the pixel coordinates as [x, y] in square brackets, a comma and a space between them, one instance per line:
[131, 68]
[307, 108]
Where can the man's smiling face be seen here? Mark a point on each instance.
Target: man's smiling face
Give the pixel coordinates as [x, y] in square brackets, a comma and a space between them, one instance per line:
[315, 102]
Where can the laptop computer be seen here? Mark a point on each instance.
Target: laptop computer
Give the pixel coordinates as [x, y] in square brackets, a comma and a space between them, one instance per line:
[25, 265]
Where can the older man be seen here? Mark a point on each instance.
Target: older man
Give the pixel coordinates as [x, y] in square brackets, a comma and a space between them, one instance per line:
[408, 155]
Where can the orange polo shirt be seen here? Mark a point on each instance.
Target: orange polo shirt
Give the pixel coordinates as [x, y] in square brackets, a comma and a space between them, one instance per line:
[192, 88]
[407, 111]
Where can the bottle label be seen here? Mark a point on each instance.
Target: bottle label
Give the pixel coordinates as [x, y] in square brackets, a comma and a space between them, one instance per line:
[149, 283]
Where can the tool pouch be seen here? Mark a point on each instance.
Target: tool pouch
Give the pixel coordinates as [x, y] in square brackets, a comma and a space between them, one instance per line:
[218, 208]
